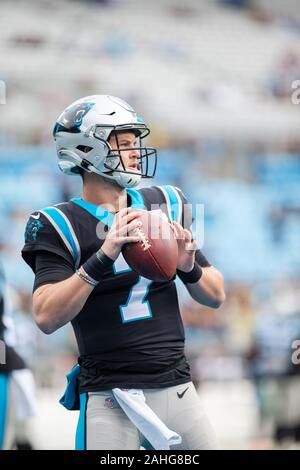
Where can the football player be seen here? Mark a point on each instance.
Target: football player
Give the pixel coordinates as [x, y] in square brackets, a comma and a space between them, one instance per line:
[17, 399]
[129, 329]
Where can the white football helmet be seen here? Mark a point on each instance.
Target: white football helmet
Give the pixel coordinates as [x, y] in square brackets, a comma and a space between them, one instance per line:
[81, 134]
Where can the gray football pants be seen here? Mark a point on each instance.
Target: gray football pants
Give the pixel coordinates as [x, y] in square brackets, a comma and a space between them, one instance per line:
[109, 428]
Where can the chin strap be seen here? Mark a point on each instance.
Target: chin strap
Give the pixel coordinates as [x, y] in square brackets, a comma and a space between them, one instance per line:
[127, 181]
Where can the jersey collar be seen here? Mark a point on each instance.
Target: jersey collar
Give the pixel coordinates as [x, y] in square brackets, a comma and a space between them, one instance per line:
[137, 202]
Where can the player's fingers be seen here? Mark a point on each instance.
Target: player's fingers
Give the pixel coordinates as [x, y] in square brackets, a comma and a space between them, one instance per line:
[128, 228]
[173, 229]
[187, 235]
[131, 216]
[130, 239]
[191, 246]
[125, 219]
[134, 224]
[123, 212]
[178, 229]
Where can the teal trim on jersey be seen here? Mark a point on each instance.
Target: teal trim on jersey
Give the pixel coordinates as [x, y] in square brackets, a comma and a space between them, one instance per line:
[106, 217]
[59, 220]
[173, 198]
[81, 426]
[3, 406]
[137, 201]
[146, 445]
[97, 211]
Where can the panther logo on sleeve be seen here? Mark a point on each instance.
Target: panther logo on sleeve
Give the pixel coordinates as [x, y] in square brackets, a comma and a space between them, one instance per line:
[32, 228]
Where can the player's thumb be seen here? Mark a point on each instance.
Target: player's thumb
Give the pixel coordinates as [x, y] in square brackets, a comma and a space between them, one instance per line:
[190, 245]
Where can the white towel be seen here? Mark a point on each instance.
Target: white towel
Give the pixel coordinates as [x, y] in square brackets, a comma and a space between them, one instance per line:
[133, 402]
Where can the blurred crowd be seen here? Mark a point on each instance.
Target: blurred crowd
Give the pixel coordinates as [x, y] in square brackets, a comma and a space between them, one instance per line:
[234, 59]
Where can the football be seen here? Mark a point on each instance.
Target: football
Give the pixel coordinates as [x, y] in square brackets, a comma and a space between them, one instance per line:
[155, 255]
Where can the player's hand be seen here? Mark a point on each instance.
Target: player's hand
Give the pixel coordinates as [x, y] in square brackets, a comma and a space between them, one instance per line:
[122, 231]
[186, 248]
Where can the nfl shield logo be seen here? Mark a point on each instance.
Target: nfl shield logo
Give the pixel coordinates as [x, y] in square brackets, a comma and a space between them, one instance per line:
[109, 402]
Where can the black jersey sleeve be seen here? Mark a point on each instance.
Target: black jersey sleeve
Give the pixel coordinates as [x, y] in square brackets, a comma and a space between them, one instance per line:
[40, 235]
[202, 260]
[51, 268]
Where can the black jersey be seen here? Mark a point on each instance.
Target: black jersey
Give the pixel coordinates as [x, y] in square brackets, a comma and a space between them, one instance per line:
[129, 332]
